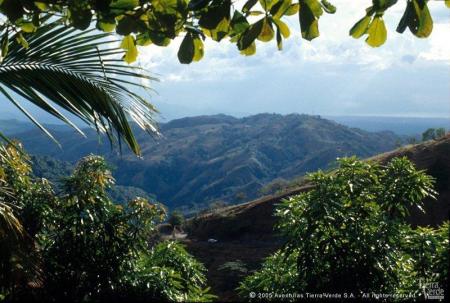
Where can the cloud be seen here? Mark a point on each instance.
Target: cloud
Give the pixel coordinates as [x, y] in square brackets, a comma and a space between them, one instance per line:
[333, 74]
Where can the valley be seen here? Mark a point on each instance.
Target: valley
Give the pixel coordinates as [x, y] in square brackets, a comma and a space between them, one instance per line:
[219, 158]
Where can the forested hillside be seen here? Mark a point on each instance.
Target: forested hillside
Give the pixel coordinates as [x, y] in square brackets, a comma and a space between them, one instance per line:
[210, 158]
[246, 232]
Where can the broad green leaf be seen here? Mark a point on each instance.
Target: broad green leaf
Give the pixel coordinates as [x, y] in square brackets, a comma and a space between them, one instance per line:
[126, 26]
[248, 5]
[41, 5]
[256, 13]
[239, 23]
[266, 4]
[280, 8]
[447, 3]
[328, 7]
[267, 32]
[198, 49]
[197, 4]
[360, 28]
[215, 15]
[106, 26]
[22, 41]
[129, 45]
[251, 50]
[124, 4]
[377, 32]
[249, 36]
[382, 5]
[80, 17]
[309, 25]
[143, 39]
[408, 19]
[283, 28]
[425, 21]
[293, 9]
[159, 38]
[221, 31]
[279, 39]
[186, 52]
[315, 7]
[28, 27]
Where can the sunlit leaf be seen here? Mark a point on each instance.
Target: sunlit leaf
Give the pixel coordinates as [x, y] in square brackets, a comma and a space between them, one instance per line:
[284, 29]
[129, 45]
[251, 50]
[267, 32]
[187, 50]
[360, 28]
[377, 33]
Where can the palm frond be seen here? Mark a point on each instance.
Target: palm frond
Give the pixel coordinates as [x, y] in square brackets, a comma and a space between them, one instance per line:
[78, 72]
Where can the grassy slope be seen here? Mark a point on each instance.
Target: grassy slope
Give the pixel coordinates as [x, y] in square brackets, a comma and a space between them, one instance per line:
[245, 231]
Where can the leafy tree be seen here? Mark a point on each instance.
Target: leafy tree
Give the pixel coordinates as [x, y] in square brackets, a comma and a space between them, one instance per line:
[158, 22]
[83, 247]
[349, 234]
[176, 219]
[433, 134]
[24, 205]
[177, 275]
[440, 132]
[429, 134]
[425, 258]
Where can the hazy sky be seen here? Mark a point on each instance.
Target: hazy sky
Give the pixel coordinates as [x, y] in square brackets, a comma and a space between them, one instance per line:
[332, 75]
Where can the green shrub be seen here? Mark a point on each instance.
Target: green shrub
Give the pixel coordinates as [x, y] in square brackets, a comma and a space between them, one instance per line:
[349, 234]
[81, 246]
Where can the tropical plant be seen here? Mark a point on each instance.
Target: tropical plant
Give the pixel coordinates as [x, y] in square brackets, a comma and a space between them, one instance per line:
[176, 219]
[425, 259]
[440, 132]
[24, 208]
[433, 134]
[349, 234]
[278, 275]
[62, 70]
[429, 134]
[168, 272]
[81, 246]
[158, 22]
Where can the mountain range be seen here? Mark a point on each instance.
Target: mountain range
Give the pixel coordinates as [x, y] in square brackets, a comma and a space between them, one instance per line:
[203, 159]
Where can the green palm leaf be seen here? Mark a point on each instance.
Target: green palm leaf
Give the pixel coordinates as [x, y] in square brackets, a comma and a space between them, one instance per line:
[64, 69]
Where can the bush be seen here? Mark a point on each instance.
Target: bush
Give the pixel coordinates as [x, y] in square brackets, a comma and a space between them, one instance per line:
[176, 219]
[349, 234]
[81, 246]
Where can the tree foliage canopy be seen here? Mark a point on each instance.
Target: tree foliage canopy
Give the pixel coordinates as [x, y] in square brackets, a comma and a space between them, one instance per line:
[144, 22]
[81, 246]
[349, 235]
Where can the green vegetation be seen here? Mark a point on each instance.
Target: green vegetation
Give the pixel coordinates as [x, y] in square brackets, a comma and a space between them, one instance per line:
[176, 219]
[241, 155]
[159, 22]
[433, 134]
[349, 235]
[81, 246]
[64, 71]
[79, 72]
